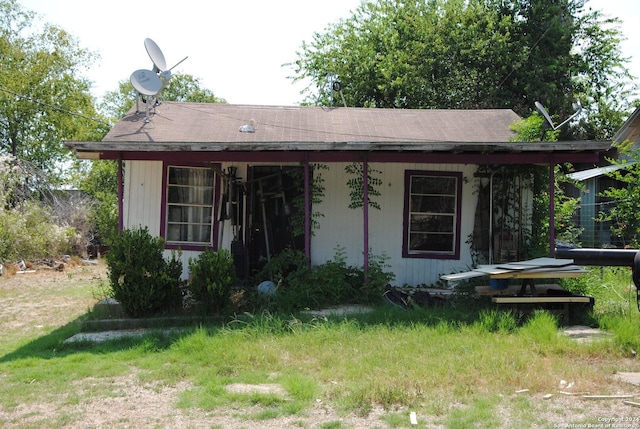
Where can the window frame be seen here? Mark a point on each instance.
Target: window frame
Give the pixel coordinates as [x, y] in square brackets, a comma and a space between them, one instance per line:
[424, 254]
[164, 215]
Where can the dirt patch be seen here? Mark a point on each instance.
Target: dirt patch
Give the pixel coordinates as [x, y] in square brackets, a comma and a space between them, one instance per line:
[264, 389]
[585, 334]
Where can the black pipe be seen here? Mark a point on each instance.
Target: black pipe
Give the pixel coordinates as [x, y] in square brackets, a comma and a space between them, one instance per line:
[604, 257]
[611, 257]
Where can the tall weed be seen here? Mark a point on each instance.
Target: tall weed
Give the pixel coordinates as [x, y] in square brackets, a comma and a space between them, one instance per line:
[492, 320]
[542, 328]
[625, 330]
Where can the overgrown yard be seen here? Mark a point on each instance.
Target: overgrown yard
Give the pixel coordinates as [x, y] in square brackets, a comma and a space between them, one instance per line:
[455, 368]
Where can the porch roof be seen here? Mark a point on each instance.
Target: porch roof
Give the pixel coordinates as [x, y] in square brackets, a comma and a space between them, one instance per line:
[218, 129]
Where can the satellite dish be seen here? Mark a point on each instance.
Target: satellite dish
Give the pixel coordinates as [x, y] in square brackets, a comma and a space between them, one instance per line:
[146, 82]
[546, 115]
[156, 55]
[149, 83]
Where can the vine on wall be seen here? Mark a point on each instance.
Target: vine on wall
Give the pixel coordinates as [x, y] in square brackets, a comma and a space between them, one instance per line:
[356, 185]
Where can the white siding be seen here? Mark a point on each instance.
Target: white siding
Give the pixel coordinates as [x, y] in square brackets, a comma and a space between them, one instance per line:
[143, 195]
[343, 227]
[340, 227]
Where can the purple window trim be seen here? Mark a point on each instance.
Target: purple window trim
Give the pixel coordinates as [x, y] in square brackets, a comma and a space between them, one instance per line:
[406, 222]
[163, 208]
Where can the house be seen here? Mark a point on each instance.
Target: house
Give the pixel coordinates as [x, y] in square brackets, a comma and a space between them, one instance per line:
[259, 179]
[594, 181]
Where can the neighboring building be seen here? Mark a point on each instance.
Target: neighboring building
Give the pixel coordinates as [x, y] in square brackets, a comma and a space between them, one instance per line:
[241, 178]
[594, 181]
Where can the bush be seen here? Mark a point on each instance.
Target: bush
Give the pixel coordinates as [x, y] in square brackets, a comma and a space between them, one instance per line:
[332, 283]
[141, 279]
[212, 279]
[28, 231]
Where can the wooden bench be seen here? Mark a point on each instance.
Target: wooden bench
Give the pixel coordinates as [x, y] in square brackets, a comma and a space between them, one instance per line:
[541, 289]
[543, 302]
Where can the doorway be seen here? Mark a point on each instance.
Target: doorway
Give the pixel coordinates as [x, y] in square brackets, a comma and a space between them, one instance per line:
[275, 197]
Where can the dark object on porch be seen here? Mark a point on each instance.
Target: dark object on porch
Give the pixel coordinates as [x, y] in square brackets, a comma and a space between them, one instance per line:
[406, 300]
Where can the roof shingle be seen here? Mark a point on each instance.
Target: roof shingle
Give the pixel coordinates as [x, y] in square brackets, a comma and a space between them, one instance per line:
[220, 123]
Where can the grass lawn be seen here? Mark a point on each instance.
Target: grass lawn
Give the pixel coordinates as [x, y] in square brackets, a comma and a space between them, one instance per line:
[463, 367]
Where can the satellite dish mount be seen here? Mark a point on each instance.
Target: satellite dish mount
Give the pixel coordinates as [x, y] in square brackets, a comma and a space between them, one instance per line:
[149, 83]
[547, 117]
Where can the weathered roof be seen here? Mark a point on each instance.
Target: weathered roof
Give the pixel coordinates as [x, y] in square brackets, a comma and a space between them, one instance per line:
[220, 123]
[216, 128]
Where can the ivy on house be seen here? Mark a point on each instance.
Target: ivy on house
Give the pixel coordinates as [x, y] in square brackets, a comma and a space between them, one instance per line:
[356, 185]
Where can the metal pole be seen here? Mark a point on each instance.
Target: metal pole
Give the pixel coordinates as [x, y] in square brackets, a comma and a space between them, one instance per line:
[365, 213]
[120, 184]
[552, 210]
[307, 213]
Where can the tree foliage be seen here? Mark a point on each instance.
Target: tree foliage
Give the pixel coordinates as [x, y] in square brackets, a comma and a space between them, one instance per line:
[623, 213]
[464, 54]
[43, 101]
[182, 88]
[29, 227]
[99, 181]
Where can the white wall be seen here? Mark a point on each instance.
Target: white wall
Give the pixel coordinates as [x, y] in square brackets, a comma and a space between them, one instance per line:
[143, 195]
[340, 225]
[343, 227]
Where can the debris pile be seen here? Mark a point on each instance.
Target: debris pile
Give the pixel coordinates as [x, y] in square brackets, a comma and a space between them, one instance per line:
[411, 298]
[23, 267]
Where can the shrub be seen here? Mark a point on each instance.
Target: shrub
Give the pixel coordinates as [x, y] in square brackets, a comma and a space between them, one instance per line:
[28, 231]
[212, 279]
[332, 283]
[142, 280]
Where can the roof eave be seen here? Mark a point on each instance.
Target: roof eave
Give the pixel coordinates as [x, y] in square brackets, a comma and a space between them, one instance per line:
[386, 146]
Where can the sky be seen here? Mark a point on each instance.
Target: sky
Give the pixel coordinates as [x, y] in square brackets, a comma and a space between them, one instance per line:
[236, 48]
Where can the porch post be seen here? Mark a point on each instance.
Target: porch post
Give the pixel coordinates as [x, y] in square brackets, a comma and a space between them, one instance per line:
[552, 210]
[120, 185]
[365, 213]
[307, 212]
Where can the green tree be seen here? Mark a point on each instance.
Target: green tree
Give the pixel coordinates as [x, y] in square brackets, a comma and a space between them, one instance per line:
[624, 214]
[182, 88]
[456, 54]
[99, 181]
[43, 101]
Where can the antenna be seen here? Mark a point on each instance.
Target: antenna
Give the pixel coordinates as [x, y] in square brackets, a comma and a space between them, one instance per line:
[149, 83]
[334, 86]
[546, 115]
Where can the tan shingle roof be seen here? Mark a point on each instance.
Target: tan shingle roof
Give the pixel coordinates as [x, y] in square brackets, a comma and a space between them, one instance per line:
[220, 123]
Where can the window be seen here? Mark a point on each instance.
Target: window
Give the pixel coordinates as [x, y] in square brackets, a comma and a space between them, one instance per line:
[190, 205]
[432, 215]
